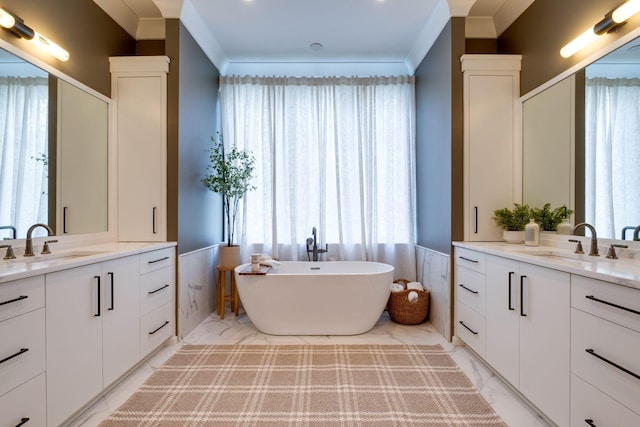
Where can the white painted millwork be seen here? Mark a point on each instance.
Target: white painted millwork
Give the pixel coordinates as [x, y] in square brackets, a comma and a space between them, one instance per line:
[470, 299]
[21, 296]
[139, 93]
[589, 403]
[605, 343]
[491, 85]
[27, 401]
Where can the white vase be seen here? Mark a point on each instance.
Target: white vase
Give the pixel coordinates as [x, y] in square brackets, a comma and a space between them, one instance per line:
[229, 255]
[513, 236]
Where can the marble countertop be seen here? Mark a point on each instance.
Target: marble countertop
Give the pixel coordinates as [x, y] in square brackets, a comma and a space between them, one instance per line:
[623, 271]
[21, 267]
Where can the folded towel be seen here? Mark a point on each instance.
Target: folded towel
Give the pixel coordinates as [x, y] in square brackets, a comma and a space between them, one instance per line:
[415, 285]
[412, 296]
[396, 287]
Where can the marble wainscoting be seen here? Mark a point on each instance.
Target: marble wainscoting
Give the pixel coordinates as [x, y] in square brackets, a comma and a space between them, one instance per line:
[196, 288]
[433, 271]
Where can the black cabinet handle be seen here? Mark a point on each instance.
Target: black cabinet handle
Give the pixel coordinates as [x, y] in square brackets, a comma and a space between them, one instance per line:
[522, 313]
[470, 260]
[158, 290]
[20, 298]
[467, 289]
[591, 423]
[22, 351]
[64, 220]
[615, 365]
[158, 260]
[113, 296]
[630, 310]
[153, 220]
[511, 273]
[476, 215]
[98, 292]
[23, 422]
[166, 322]
[470, 330]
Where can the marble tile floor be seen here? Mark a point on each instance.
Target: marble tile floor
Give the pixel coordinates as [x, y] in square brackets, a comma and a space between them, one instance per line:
[240, 330]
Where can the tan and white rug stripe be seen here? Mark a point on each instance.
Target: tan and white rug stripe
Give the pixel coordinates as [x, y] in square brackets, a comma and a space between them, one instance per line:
[307, 385]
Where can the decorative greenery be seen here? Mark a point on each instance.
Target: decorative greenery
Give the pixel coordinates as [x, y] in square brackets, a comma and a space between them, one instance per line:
[514, 219]
[229, 174]
[549, 219]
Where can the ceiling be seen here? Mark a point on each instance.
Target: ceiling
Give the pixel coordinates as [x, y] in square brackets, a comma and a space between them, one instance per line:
[234, 32]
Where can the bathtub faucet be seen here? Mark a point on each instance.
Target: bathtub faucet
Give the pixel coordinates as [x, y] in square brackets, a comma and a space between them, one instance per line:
[312, 247]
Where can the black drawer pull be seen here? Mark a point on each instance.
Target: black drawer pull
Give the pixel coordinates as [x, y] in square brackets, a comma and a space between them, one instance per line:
[20, 298]
[604, 359]
[166, 322]
[467, 289]
[591, 423]
[158, 260]
[522, 313]
[158, 290]
[23, 422]
[511, 274]
[98, 314]
[630, 310]
[470, 330]
[468, 259]
[22, 350]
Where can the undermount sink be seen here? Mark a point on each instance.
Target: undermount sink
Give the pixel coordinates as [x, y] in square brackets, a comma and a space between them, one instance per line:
[62, 256]
[570, 257]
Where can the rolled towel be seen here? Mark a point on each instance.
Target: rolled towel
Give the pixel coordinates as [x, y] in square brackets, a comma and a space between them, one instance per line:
[415, 285]
[412, 296]
[396, 287]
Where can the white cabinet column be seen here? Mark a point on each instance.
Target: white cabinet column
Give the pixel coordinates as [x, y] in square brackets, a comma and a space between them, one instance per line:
[139, 93]
[491, 86]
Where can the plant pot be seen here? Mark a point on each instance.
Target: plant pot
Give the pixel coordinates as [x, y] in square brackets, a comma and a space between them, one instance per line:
[229, 255]
[513, 236]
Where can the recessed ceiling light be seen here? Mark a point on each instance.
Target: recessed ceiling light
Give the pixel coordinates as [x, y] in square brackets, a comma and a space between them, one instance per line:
[315, 46]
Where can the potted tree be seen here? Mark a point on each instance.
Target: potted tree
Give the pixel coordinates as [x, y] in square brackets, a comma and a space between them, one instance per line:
[512, 222]
[229, 174]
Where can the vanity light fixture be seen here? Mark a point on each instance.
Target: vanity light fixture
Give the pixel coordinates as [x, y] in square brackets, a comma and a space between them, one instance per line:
[17, 26]
[609, 23]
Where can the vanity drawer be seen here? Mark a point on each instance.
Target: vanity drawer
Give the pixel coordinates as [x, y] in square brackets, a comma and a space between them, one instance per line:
[589, 403]
[156, 289]
[471, 289]
[155, 328]
[22, 341]
[26, 401]
[596, 297]
[472, 260]
[470, 327]
[21, 296]
[154, 260]
[614, 343]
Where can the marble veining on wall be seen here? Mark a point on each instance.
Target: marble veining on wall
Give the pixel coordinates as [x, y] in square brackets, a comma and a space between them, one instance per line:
[196, 288]
[433, 272]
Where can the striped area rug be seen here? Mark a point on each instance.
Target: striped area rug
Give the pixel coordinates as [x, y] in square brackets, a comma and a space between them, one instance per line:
[307, 385]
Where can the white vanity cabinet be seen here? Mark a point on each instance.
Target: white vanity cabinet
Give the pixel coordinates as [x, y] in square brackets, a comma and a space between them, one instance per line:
[92, 334]
[22, 351]
[605, 344]
[470, 297]
[139, 94]
[528, 332]
[491, 88]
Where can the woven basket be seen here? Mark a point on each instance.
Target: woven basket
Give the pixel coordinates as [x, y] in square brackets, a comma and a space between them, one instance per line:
[402, 311]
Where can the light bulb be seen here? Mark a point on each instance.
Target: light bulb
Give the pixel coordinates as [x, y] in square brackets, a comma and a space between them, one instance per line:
[578, 43]
[45, 44]
[6, 19]
[626, 11]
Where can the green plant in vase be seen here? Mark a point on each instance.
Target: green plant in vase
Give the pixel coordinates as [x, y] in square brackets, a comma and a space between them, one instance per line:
[512, 221]
[550, 218]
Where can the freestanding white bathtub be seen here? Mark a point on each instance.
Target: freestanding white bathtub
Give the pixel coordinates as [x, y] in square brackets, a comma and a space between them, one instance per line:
[316, 298]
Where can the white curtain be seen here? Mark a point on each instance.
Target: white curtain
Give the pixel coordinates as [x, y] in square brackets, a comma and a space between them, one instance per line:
[333, 153]
[24, 110]
[612, 154]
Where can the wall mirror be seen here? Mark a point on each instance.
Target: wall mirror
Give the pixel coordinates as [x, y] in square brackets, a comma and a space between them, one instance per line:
[53, 153]
[581, 146]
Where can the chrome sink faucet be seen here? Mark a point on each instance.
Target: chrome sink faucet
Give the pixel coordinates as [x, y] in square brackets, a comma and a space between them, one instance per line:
[593, 251]
[28, 249]
[312, 246]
